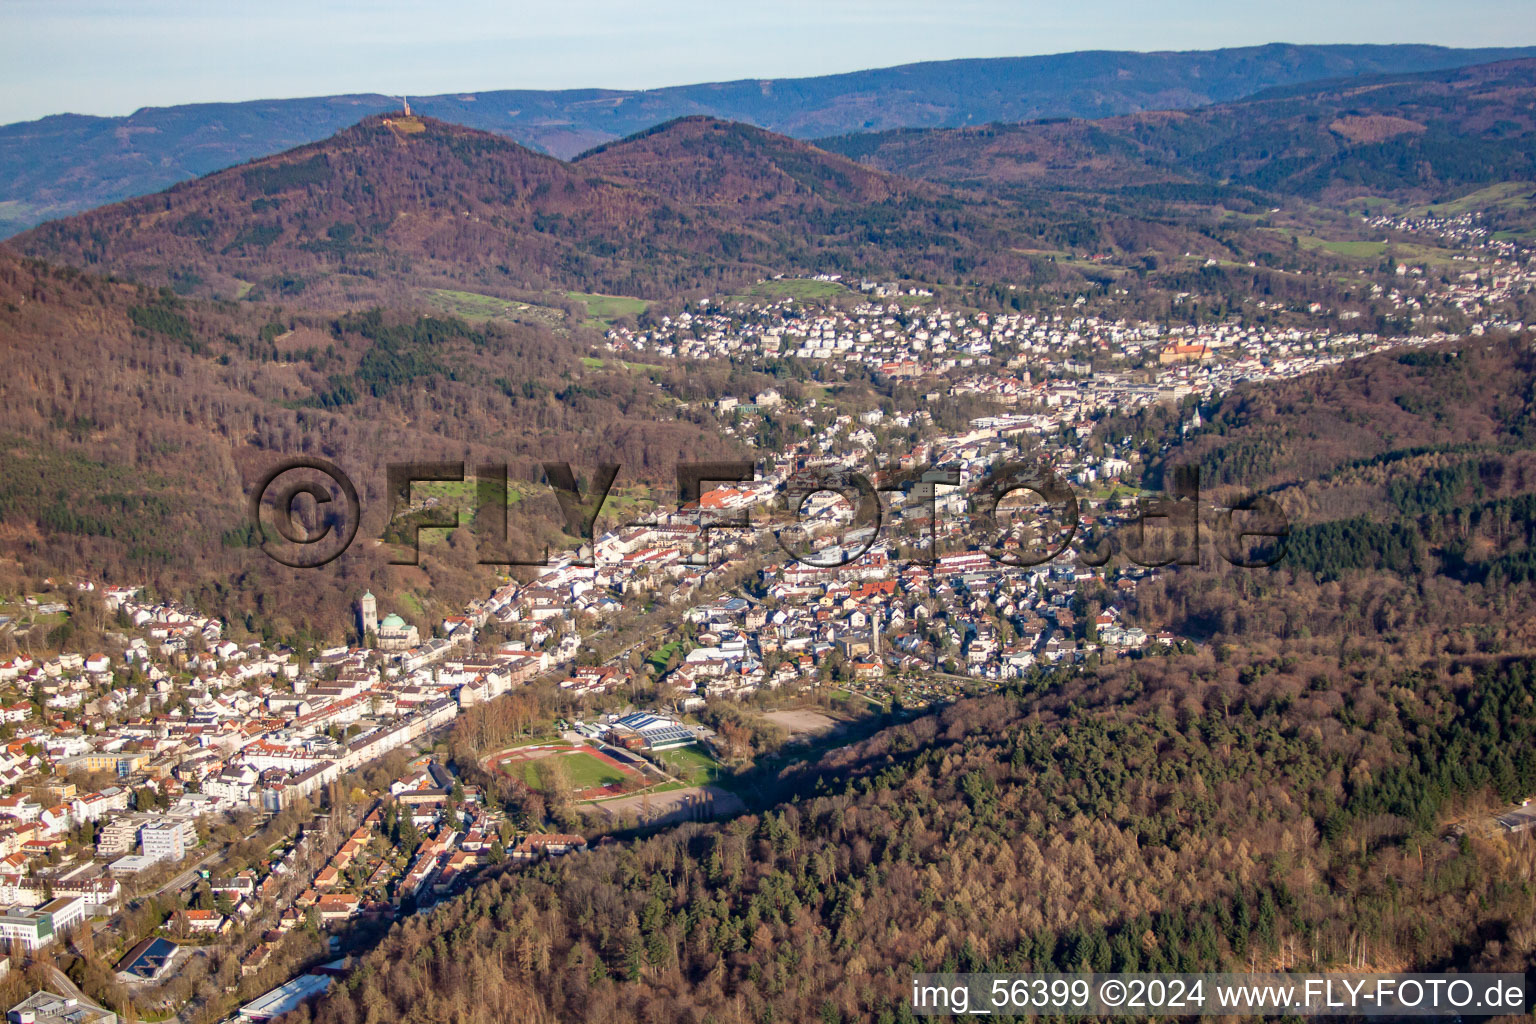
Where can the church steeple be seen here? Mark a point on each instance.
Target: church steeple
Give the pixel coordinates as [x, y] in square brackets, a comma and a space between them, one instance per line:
[368, 615]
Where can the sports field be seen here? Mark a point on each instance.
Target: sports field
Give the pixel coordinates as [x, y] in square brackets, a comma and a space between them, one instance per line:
[691, 764]
[591, 773]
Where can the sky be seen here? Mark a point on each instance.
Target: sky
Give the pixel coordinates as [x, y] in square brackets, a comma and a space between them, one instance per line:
[115, 56]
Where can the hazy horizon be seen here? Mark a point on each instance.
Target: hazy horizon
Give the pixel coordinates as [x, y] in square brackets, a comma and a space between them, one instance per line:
[94, 58]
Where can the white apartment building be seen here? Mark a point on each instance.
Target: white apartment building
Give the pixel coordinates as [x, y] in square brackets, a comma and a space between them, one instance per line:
[167, 840]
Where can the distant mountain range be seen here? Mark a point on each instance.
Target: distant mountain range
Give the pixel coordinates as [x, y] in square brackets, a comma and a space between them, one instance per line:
[398, 203]
[63, 164]
[1422, 135]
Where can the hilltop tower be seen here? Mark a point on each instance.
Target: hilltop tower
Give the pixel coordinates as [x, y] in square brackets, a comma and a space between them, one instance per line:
[368, 615]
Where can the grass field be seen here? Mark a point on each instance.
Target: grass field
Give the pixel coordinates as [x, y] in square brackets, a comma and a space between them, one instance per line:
[582, 770]
[1353, 249]
[1365, 250]
[691, 764]
[587, 772]
[1102, 491]
[594, 363]
[625, 504]
[1376, 204]
[1429, 255]
[856, 698]
[460, 495]
[662, 653]
[463, 495]
[475, 306]
[603, 310]
[464, 492]
[797, 288]
[1513, 195]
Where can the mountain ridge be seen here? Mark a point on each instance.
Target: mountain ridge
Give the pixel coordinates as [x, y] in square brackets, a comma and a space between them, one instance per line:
[704, 160]
[66, 163]
[402, 202]
[1411, 134]
[396, 203]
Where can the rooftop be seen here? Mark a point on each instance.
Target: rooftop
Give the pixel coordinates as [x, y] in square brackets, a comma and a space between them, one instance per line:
[149, 959]
[48, 1008]
[285, 997]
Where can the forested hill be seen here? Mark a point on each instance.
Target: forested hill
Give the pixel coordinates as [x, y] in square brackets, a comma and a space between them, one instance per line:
[1310, 788]
[384, 197]
[395, 203]
[63, 164]
[1418, 466]
[138, 421]
[1421, 135]
[712, 163]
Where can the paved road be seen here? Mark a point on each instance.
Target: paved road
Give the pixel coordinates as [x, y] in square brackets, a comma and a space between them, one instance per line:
[68, 988]
[185, 878]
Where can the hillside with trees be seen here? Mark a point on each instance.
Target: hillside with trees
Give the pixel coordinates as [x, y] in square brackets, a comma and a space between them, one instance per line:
[1309, 788]
[1419, 136]
[1408, 481]
[137, 422]
[397, 203]
[1254, 805]
[712, 163]
[396, 208]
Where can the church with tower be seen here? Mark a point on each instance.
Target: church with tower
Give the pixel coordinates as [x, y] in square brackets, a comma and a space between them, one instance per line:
[392, 633]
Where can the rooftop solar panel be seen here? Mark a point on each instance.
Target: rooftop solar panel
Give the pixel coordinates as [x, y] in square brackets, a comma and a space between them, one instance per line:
[151, 959]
